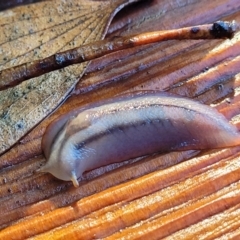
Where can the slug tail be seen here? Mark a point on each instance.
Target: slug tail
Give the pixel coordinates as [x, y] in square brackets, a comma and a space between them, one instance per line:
[74, 180]
[233, 141]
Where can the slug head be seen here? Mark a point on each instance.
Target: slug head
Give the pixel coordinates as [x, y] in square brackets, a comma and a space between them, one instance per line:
[60, 174]
[61, 164]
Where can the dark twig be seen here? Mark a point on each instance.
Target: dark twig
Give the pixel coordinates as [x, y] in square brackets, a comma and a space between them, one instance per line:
[15, 75]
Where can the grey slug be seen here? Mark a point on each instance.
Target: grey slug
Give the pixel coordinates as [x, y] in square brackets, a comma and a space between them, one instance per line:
[128, 127]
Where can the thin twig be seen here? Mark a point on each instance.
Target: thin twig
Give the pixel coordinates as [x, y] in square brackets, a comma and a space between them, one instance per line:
[15, 75]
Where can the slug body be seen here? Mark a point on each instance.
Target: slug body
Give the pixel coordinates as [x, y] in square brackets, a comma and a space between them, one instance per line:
[129, 127]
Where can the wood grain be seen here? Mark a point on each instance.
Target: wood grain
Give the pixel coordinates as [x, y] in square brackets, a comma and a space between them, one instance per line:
[178, 195]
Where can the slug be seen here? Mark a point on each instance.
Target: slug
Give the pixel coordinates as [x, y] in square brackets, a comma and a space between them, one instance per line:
[128, 127]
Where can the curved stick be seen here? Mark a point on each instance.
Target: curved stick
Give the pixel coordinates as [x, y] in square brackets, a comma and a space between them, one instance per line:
[15, 75]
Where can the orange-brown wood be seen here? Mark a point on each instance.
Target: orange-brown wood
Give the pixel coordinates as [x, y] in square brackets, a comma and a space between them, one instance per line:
[178, 195]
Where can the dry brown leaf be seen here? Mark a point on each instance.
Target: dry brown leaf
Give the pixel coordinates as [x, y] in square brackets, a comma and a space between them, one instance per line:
[36, 31]
[183, 195]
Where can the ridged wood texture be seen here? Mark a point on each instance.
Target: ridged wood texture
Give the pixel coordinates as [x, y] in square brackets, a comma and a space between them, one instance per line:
[179, 195]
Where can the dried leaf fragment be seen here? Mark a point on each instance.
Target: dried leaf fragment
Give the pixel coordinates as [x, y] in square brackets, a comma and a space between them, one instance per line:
[36, 31]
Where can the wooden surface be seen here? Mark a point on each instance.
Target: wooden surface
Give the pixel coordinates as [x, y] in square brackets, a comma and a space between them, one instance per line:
[179, 195]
